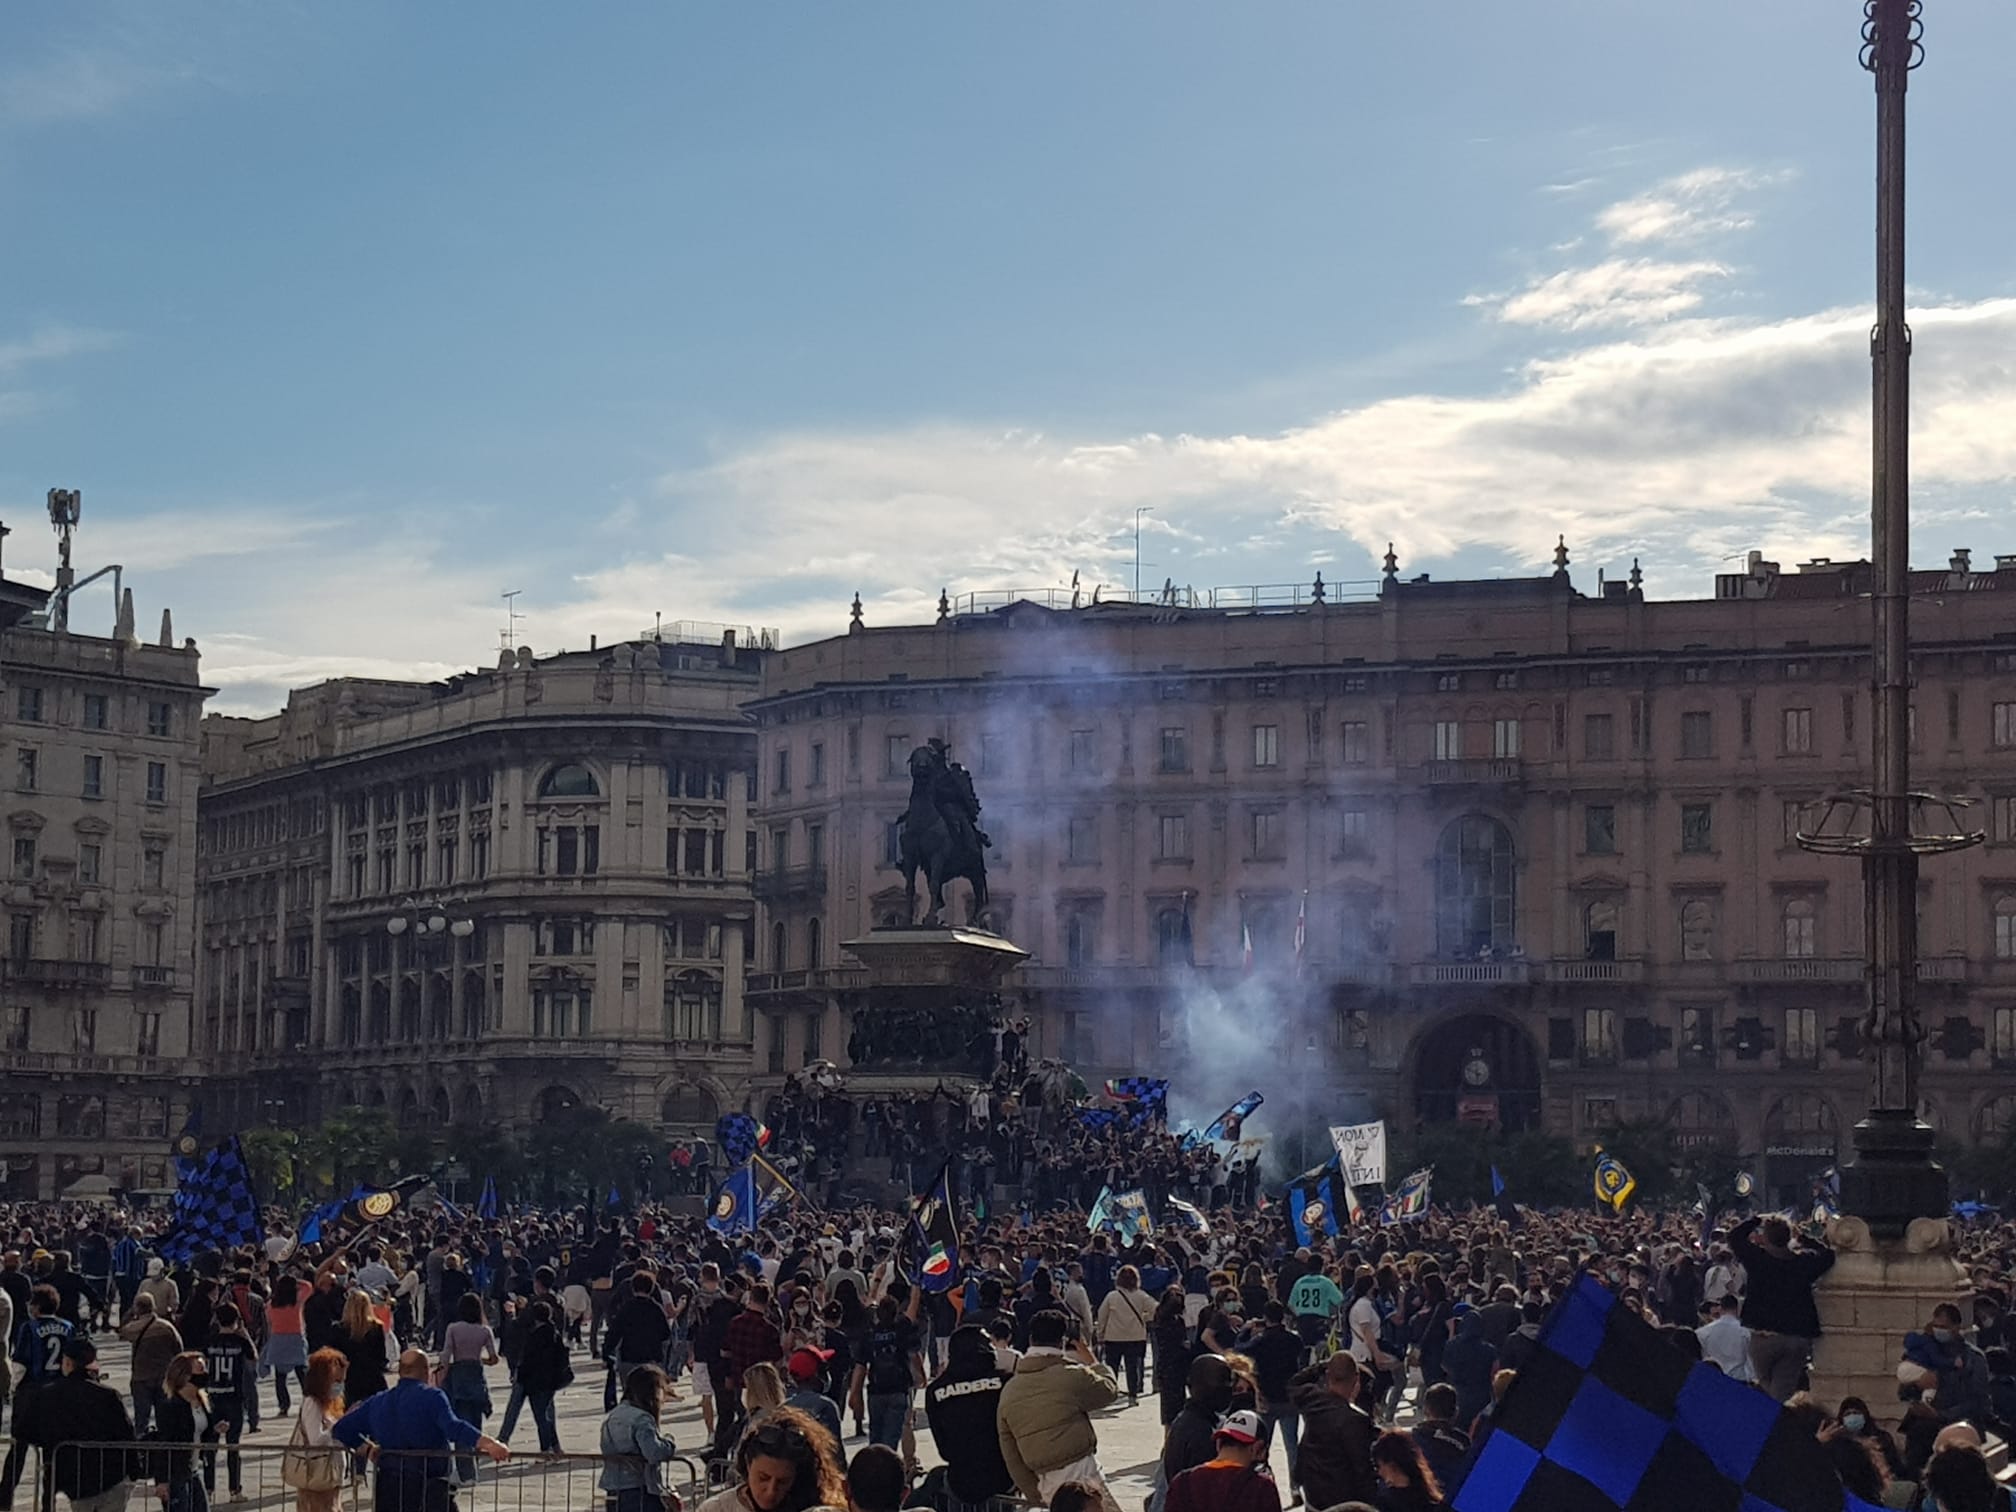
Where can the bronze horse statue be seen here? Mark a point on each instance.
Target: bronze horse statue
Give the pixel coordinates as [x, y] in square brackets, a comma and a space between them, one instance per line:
[941, 834]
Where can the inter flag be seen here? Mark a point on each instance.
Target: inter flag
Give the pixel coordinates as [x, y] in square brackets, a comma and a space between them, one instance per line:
[934, 1234]
[215, 1207]
[486, 1205]
[1606, 1416]
[1502, 1199]
[739, 1136]
[1614, 1181]
[1130, 1215]
[1100, 1119]
[374, 1204]
[773, 1188]
[1101, 1215]
[182, 1155]
[734, 1207]
[1226, 1127]
[1410, 1198]
[1312, 1206]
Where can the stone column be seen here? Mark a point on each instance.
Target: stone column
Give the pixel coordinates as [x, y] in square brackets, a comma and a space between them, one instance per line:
[1879, 1290]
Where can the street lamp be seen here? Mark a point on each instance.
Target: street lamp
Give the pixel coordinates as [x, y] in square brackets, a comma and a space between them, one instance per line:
[429, 920]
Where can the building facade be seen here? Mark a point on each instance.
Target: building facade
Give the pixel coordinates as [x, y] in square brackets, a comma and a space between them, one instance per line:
[96, 978]
[1538, 846]
[486, 901]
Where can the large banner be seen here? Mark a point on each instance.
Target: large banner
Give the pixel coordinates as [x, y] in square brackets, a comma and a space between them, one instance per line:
[1361, 1152]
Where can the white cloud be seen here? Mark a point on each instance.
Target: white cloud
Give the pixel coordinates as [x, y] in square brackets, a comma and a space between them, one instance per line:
[52, 343]
[1620, 291]
[1689, 207]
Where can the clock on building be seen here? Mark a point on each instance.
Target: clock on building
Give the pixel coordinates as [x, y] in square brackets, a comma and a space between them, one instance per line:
[1476, 1070]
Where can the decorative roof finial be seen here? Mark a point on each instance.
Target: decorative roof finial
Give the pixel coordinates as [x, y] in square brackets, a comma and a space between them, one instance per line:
[854, 616]
[1316, 592]
[1561, 556]
[944, 606]
[1392, 562]
[1637, 577]
[167, 630]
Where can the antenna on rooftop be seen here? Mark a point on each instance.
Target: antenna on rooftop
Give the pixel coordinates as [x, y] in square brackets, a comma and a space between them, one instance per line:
[511, 618]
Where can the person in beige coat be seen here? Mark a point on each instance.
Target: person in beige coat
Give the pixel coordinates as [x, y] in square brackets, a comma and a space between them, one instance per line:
[1123, 1327]
[1045, 1417]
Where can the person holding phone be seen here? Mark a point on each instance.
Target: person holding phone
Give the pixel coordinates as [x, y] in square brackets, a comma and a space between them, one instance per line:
[1045, 1417]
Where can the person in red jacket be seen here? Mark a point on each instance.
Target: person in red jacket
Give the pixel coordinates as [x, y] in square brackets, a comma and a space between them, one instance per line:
[1234, 1480]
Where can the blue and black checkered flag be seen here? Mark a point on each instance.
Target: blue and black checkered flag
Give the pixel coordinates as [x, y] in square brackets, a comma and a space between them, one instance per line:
[1606, 1416]
[216, 1208]
[738, 1134]
[1147, 1098]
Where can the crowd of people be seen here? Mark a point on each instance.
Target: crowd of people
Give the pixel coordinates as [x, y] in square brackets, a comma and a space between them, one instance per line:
[1376, 1360]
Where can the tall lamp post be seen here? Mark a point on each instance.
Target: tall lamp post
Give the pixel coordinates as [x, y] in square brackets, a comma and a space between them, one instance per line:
[1892, 1178]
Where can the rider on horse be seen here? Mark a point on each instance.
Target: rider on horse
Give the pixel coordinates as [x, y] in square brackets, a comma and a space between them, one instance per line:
[953, 796]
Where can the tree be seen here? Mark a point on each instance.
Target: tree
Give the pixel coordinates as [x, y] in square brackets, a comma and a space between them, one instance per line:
[347, 1147]
[270, 1154]
[584, 1151]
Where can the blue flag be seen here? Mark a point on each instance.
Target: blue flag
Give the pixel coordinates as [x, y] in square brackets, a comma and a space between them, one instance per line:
[1130, 1214]
[1312, 1206]
[1189, 1214]
[1097, 1119]
[486, 1205]
[1101, 1215]
[1501, 1198]
[182, 1155]
[216, 1208]
[734, 1210]
[934, 1235]
[739, 1136]
[1606, 1416]
[1228, 1127]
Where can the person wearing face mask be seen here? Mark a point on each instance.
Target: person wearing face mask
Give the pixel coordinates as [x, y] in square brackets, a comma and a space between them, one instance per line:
[1856, 1423]
[803, 1328]
[1962, 1394]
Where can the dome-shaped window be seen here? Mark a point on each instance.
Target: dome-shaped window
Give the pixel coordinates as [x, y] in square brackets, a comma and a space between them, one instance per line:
[570, 781]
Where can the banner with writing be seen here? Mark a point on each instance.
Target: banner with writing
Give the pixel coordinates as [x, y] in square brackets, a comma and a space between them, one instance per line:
[1361, 1152]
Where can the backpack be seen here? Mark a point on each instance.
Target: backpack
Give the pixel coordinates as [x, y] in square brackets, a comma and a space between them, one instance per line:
[888, 1361]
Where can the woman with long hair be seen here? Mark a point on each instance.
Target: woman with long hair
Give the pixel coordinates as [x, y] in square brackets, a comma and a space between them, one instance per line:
[286, 1349]
[1406, 1484]
[1171, 1333]
[184, 1418]
[467, 1346]
[1123, 1328]
[321, 1405]
[631, 1433]
[362, 1339]
[789, 1464]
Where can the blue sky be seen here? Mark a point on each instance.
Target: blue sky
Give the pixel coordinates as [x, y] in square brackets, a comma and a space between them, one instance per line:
[348, 318]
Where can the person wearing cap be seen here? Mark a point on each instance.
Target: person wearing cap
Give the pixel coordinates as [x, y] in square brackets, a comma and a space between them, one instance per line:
[1234, 1479]
[76, 1409]
[804, 1370]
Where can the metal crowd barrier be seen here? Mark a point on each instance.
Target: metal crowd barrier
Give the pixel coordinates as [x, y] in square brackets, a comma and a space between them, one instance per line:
[523, 1483]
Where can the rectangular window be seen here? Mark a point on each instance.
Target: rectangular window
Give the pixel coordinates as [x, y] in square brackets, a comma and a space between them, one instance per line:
[1266, 834]
[1745, 721]
[157, 782]
[153, 866]
[1357, 742]
[90, 857]
[816, 777]
[160, 717]
[94, 776]
[416, 866]
[1448, 740]
[1599, 737]
[895, 755]
[24, 858]
[2005, 930]
[1174, 754]
[1505, 682]
[1505, 739]
[1172, 837]
[1802, 1036]
[1848, 719]
[96, 712]
[1694, 672]
[1354, 834]
[147, 1038]
[1697, 734]
[815, 846]
[1797, 732]
[1697, 828]
[1083, 840]
[1084, 751]
[1448, 682]
[1599, 1034]
[1266, 745]
[2002, 726]
[21, 926]
[28, 705]
[444, 855]
[1797, 816]
[780, 847]
[2003, 1039]
[2002, 818]
[783, 771]
[892, 845]
[815, 1024]
[27, 769]
[1801, 925]
[479, 855]
[566, 851]
[1599, 829]
[1601, 677]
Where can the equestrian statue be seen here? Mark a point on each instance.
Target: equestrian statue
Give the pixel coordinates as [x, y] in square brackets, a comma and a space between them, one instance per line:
[940, 831]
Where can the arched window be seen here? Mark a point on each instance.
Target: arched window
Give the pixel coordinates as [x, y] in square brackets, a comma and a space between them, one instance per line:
[1599, 931]
[555, 1104]
[1801, 925]
[812, 943]
[1701, 1118]
[1474, 888]
[2005, 928]
[571, 780]
[409, 1108]
[778, 939]
[1996, 1118]
[1800, 1113]
[694, 1106]
[443, 1110]
[1697, 930]
[1172, 938]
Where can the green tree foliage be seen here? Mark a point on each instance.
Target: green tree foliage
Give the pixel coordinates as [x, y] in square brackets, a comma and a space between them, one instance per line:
[584, 1151]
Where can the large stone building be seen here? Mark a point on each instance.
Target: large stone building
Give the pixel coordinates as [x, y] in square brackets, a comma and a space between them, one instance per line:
[1542, 842]
[489, 900]
[101, 767]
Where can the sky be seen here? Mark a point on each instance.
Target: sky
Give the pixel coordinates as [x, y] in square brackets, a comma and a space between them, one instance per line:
[348, 319]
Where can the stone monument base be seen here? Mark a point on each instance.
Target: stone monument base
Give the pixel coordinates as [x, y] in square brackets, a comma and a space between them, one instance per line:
[1878, 1291]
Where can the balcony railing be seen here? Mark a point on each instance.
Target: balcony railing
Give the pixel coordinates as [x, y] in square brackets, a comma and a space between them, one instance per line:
[791, 882]
[1798, 969]
[1489, 771]
[155, 977]
[1593, 971]
[826, 979]
[54, 972]
[1469, 973]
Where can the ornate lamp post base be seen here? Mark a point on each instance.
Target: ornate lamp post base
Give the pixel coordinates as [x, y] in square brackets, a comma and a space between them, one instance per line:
[1893, 1178]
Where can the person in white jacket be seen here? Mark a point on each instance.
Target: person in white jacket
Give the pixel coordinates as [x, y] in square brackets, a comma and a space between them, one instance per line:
[1725, 1342]
[1123, 1328]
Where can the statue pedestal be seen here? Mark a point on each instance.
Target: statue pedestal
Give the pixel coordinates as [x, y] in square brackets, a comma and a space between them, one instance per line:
[928, 1006]
[1878, 1291]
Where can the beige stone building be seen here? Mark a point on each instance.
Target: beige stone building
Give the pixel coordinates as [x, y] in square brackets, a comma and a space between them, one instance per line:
[486, 900]
[101, 776]
[1539, 842]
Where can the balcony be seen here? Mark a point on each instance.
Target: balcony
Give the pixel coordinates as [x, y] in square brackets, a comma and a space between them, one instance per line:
[1598, 972]
[49, 972]
[827, 979]
[1477, 771]
[1470, 974]
[790, 882]
[1798, 969]
[154, 978]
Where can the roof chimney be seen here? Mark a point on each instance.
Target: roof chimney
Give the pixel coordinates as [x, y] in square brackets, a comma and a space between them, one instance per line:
[1962, 562]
